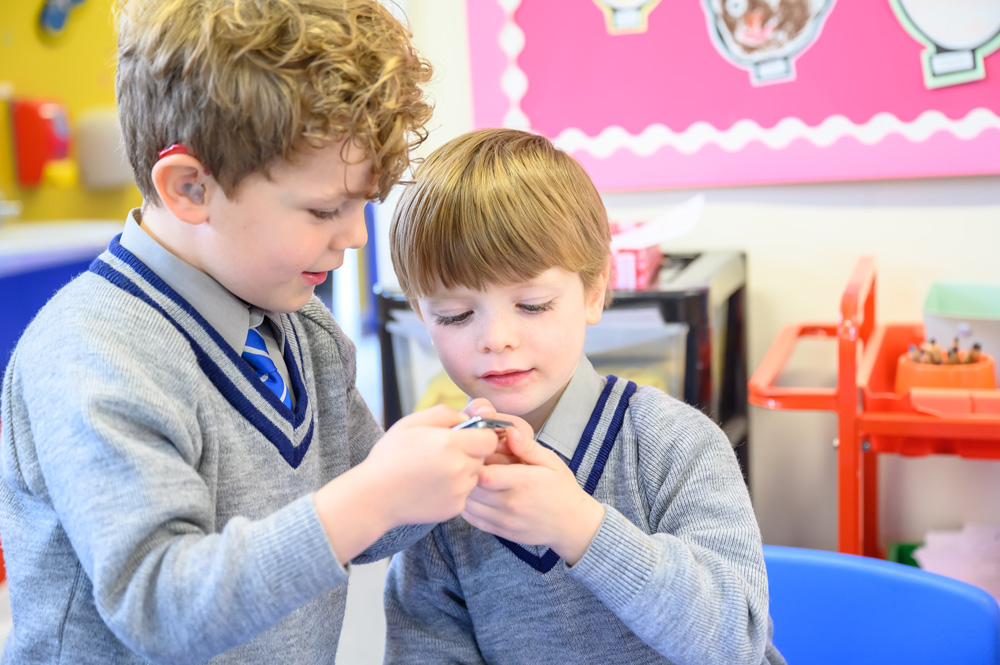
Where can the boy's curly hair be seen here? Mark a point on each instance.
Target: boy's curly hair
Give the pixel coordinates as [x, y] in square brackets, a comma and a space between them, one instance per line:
[244, 83]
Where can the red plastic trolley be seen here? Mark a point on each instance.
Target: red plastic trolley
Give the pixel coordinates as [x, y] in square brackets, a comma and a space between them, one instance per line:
[872, 418]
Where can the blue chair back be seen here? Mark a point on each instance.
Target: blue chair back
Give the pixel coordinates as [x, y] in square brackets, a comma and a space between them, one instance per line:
[842, 609]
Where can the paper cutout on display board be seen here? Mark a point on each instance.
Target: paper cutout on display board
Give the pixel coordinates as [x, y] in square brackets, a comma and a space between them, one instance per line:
[623, 17]
[54, 16]
[765, 36]
[956, 35]
[662, 109]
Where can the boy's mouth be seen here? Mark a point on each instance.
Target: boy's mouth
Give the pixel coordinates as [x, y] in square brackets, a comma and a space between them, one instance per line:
[508, 377]
[315, 278]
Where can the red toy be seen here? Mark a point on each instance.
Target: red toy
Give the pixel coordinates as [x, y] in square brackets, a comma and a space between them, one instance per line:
[41, 135]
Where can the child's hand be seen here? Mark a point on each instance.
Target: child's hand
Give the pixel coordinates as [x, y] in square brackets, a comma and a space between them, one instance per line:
[503, 455]
[427, 469]
[537, 502]
[420, 472]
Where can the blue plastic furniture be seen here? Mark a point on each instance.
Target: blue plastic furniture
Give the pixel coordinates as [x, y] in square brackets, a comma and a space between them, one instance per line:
[830, 607]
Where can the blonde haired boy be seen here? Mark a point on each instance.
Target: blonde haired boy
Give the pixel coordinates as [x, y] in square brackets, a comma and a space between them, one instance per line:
[627, 536]
[187, 466]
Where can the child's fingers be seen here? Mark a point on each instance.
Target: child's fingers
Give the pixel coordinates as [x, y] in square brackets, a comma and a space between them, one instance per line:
[483, 516]
[435, 416]
[480, 407]
[502, 446]
[503, 455]
[520, 425]
[478, 522]
[501, 458]
[530, 451]
[499, 477]
[479, 496]
[478, 443]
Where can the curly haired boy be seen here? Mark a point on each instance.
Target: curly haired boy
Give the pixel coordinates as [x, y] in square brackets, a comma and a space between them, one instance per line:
[186, 466]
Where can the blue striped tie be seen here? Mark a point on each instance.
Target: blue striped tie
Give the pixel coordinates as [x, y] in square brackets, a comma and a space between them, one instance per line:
[255, 353]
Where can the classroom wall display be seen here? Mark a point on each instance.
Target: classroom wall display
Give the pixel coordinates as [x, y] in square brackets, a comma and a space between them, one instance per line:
[767, 39]
[956, 35]
[659, 94]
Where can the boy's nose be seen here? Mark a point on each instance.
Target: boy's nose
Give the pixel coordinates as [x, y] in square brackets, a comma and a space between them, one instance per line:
[498, 335]
[355, 233]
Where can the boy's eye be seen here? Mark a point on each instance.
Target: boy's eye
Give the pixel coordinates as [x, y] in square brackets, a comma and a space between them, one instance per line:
[325, 214]
[540, 307]
[442, 320]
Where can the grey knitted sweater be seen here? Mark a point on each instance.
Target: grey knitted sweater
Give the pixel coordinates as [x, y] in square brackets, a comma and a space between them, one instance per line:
[156, 498]
[675, 573]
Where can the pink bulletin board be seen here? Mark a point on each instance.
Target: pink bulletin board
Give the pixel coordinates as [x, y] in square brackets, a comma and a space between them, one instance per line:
[664, 102]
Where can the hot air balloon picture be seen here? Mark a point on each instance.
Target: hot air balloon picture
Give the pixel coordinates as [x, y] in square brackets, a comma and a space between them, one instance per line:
[956, 34]
[623, 17]
[765, 36]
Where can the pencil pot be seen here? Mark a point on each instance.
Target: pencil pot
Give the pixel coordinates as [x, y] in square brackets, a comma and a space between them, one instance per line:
[970, 376]
[968, 311]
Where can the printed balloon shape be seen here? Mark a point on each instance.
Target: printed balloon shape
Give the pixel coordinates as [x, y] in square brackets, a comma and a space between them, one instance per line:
[956, 34]
[765, 36]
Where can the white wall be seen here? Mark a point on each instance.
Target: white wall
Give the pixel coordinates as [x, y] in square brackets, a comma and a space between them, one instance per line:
[801, 242]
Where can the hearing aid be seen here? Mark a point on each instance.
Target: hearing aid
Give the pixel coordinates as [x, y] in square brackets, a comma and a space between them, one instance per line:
[177, 149]
[194, 191]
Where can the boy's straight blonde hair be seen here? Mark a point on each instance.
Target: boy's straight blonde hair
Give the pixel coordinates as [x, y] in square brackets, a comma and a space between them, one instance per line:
[497, 206]
[245, 83]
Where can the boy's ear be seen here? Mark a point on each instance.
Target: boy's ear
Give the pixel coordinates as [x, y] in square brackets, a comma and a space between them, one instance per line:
[597, 295]
[184, 187]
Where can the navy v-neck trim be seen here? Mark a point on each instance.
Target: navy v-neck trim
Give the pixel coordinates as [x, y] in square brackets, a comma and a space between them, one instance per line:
[547, 560]
[291, 453]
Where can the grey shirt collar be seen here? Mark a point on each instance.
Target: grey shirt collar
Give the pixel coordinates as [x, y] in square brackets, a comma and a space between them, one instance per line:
[564, 427]
[230, 316]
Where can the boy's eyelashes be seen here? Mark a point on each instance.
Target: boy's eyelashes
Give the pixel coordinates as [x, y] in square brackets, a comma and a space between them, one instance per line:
[325, 214]
[540, 307]
[443, 320]
[530, 308]
[334, 210]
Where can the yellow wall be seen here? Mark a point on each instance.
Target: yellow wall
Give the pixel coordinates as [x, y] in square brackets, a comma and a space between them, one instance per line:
[76, 68]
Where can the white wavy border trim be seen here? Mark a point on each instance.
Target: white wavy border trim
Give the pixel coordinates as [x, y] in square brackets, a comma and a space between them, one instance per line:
[743, 132]
[514, 83]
